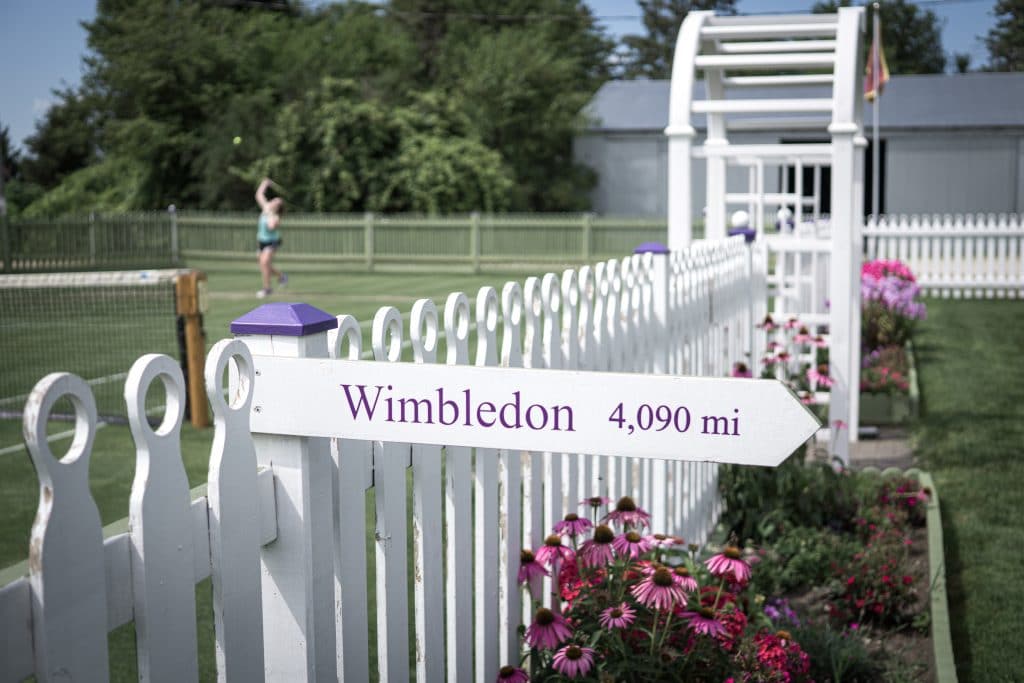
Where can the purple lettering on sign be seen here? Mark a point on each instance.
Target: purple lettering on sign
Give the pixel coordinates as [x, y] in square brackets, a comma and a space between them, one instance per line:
[362, 404]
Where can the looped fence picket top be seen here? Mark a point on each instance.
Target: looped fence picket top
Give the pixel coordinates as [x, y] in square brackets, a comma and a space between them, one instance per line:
[281, 527]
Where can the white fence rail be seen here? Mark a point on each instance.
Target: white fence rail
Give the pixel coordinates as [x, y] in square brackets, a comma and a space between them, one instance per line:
[282, 530]
[954, 256]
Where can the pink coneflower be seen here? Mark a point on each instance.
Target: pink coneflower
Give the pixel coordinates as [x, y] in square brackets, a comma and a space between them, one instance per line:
[767, 324]
[792, 324]
[820, 342]
[682, 577]
[572, 661]
[547, 630]
[628, 514]
[741, 370]
[512, 674]
[596, 501]
[552, 551]
[802, 336]
[632, 544]
[807, 398]
[597, 552]
[617, 617]
[529, 568]
[659, 590]
[703, 621]
[819, 376]
[729, 561]
[573, 525]
[663, 541]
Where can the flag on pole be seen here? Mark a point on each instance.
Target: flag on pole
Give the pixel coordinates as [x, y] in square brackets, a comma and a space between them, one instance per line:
[876, 74]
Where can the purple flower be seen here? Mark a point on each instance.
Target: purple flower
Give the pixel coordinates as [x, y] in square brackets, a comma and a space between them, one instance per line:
[729, 561]
[617, 617]
[547, 630]
[598, 551]
[572, 661]
[628, 514]
[529, 568]
[573, 525]
[553, 551]
[512, 674]
[659, 590]
[703, 621]
[631, 544]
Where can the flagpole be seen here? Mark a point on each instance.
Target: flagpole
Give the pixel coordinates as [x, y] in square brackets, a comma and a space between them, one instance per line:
[876, 67]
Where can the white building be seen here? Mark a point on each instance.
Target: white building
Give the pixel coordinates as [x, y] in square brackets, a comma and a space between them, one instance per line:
[949, 144]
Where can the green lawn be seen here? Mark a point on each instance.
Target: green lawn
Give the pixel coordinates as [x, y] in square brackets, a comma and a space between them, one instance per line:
[971, 437]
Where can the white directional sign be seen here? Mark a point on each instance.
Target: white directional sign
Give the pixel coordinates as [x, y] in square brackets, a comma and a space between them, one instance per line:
[744, 421]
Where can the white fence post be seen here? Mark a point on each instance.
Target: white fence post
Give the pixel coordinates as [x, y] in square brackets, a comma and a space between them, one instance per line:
[297, 568]
[353, 475]
[234, 539]
[428, 553]
[160, 524]
[66, 560]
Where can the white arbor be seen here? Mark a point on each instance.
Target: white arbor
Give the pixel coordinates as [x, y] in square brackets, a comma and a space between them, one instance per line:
[755, 70]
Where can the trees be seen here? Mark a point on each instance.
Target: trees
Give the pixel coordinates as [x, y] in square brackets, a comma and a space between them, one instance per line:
[193, 96]
[650, 55]
[1005, 40]
[911, 37]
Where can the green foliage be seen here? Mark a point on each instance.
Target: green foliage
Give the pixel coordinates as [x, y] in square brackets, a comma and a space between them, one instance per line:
[364, 156]
[763, 502]
[911, 36]
[66, 140]
[110, 185]
[802, 557]
[838, 655]
[170, 86]
[650, 55]
[1005, 40]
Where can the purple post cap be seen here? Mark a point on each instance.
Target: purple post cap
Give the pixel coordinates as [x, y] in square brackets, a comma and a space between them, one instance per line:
[651, 248]
[290, 320]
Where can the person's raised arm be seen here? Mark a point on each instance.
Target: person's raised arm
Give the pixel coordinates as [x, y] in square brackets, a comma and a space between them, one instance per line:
[261, 193]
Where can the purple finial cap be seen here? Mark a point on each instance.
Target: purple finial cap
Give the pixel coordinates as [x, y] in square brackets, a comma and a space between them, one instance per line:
[289, 320]
[651, 248]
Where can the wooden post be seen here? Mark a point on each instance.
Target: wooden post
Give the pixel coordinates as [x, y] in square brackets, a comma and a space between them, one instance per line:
[368, 239]
[190, 292]
[5, 243]
[297, 568]
[474, 240]
[172, 212]
[92, 238]
[588, 236]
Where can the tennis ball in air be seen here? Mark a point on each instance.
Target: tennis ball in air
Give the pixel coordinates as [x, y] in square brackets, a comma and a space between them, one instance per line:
[237, 140]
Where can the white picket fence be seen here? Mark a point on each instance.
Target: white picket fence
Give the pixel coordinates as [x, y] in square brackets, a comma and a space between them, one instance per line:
[282, 529]
[954, 256]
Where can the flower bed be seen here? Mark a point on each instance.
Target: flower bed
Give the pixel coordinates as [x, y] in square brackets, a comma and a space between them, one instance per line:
[890, 307]
[799, 603]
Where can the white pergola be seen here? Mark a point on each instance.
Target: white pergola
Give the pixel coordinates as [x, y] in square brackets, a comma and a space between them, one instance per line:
[811, 49]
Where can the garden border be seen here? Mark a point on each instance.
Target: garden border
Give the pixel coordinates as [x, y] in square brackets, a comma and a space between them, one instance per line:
[942, 641]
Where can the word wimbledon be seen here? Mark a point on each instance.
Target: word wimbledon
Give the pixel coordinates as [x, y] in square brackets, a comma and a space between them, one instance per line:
[378, 403]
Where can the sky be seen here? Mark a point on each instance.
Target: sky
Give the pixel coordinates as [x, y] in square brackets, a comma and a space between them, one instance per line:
[49, 42]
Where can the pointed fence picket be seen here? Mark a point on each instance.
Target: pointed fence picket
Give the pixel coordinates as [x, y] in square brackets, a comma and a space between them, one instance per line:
[282, 526]
[972, 256]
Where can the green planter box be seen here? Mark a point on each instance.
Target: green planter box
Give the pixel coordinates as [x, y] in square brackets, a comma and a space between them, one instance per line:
[892, 409]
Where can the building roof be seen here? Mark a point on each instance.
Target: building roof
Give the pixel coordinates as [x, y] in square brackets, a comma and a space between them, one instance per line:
[973, 100]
